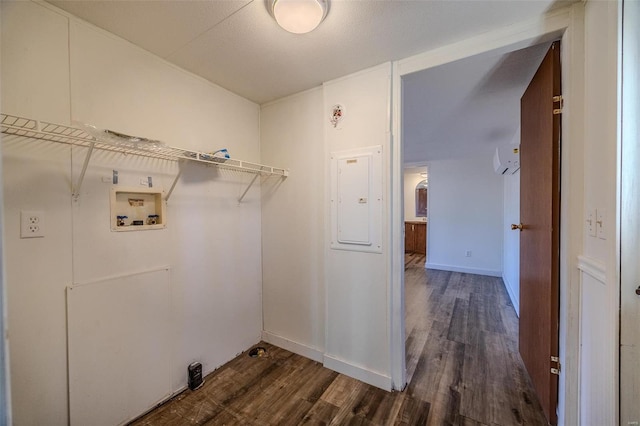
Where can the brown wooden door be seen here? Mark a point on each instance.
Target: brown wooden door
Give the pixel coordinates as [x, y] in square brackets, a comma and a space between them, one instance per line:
[540, 237]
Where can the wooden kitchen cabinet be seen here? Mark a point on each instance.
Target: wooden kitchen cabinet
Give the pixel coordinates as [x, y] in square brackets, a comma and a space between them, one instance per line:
[415, 237]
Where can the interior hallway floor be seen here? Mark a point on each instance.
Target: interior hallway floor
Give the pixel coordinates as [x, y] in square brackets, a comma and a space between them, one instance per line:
[463, 368]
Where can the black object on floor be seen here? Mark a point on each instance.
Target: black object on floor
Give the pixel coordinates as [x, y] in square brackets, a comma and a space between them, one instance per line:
[195, 375]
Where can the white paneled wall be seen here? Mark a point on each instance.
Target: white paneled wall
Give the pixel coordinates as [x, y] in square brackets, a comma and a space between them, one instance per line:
[599, 283]
[630, 222]
[329, 305]
[59, 69]
[35, 62]
[36, 177]
[357, 284]
[596, 344]
[35, 82]
[293, 223]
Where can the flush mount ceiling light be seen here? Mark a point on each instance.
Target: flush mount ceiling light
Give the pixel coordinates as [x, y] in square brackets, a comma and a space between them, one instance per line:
[299, 16]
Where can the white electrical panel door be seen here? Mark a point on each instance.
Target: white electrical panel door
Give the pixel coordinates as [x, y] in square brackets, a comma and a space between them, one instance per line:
[354, 191]
[356, 198]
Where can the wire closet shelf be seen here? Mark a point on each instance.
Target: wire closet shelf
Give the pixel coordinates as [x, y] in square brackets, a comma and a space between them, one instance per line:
[35, 129]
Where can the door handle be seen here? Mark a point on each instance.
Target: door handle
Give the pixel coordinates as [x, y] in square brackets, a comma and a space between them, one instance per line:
[638, 290]
[518, 226]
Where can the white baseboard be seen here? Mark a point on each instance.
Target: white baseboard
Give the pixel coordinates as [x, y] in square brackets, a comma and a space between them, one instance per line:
[367, 376]
[514, 300]
[452, 268]
[291, 346]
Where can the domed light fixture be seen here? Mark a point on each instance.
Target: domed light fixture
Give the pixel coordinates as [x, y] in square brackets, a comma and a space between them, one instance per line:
[299, 16]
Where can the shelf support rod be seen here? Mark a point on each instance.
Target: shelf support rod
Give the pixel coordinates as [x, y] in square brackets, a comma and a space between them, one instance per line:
[78, 185]
[175, 181]
[248, 187]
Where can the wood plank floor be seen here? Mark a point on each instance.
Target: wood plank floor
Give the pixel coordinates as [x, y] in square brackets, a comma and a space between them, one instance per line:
[462, 361]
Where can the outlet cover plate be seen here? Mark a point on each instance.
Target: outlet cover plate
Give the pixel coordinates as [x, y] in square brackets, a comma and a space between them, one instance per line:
[32, 224]
[601, 221]
[591, 223]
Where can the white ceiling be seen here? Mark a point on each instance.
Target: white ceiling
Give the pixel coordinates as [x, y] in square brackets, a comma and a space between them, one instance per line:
[238, 45]
[467, 107]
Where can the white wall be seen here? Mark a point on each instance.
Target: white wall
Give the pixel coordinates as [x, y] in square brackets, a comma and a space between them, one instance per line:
[412, 178]
[590, 110]
[5, 383]
[465, 214]
[293, 220]
[511, 249]
[599, 278]
[511, 239]
[329, 305]
[357, 284]
[630, 222]
[35, 82]
[36, 177]
[59, 69]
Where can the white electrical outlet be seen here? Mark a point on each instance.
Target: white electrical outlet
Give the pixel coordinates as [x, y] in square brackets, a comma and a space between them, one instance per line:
[32, 224]
[467, 253]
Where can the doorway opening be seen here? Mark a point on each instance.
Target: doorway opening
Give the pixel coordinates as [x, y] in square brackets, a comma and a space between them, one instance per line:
[462, 306]
[416, 184]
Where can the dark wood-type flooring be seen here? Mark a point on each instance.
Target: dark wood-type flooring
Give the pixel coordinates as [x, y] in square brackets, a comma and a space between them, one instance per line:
[462, 363]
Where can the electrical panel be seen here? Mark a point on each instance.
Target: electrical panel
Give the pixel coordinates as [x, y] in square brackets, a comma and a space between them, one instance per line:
[356, 200]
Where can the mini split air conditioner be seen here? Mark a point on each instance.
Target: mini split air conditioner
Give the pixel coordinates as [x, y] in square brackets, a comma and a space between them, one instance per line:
[506, 160]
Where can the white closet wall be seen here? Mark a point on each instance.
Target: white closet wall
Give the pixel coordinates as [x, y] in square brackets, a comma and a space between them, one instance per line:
[59, 69]
[329, 305]
[357, 283]
[293, 225]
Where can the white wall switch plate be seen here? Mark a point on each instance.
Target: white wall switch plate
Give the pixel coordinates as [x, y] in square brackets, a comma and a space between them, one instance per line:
[32, 224]
[601, 221]
[591, 223]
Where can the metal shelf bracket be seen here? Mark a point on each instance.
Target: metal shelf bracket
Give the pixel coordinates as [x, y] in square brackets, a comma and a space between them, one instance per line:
[248, 187]
[78, 185]
[173, 185]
